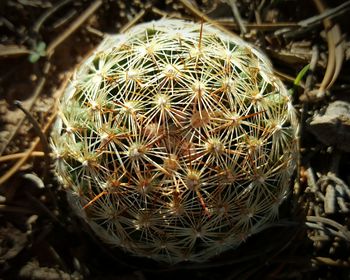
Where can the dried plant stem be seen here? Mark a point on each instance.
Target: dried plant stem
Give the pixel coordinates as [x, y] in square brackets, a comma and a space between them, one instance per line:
[74, 26]
[43, 207]
[285, 77]
[342, 231]
[20, 155]
[41, 135]
[20, 162]
[237, 16]
[331, 262]
[335, 51]
[133, 21]
[262, 26]
[36, 94]
[325, 14]
[13, 50]
[28, 153]
[203, 16]
[48, 13]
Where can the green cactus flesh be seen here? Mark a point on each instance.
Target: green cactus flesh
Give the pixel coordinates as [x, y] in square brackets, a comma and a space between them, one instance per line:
[175, 141]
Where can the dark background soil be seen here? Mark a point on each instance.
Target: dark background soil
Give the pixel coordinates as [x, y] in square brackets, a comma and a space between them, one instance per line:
[39, 236]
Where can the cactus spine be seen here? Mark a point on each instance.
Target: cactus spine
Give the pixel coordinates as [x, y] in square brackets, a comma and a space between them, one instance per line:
[175, 141]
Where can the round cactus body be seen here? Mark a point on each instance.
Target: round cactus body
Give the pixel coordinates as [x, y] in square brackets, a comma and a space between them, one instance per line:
[175, 141]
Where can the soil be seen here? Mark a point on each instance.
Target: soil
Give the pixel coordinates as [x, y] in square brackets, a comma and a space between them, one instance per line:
[42, 41]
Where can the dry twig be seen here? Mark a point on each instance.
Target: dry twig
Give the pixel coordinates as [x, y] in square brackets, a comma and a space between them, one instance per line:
[35, 96]
[39, 133]
[335, 51]
[48, 13]
[237, 15]
[13, 50]
[20, 155]
[27, 154]
[187, 4]
[133, 21]
[74, 26]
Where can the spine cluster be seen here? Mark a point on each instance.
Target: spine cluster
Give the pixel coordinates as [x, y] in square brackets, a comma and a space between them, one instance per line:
[175, 140]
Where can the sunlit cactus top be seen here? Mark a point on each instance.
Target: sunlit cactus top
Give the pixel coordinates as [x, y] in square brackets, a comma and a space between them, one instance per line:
[175, 141]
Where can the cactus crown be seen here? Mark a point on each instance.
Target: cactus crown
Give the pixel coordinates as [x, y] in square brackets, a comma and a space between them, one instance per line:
[175, 141]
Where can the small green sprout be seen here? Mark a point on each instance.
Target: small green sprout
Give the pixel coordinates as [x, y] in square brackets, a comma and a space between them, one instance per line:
[38, 51]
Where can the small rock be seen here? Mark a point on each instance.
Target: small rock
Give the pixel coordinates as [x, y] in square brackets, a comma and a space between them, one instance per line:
[333, 127]
[12, 241]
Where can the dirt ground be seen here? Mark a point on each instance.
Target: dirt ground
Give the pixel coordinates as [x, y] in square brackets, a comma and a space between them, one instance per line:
[42, 41]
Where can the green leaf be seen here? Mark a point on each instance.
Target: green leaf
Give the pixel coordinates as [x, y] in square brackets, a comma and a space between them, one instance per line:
[39, 51]
[301, 75]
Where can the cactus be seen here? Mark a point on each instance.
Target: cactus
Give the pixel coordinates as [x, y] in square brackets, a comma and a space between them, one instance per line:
[175, 141]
